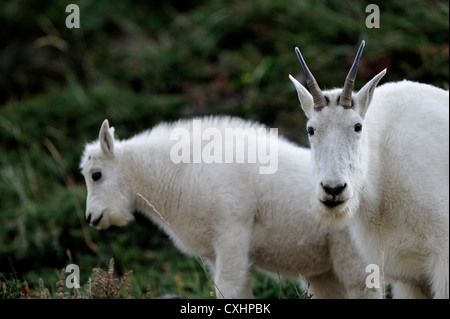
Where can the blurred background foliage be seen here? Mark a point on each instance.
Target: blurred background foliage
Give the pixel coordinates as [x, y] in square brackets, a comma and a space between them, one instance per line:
[141, 62]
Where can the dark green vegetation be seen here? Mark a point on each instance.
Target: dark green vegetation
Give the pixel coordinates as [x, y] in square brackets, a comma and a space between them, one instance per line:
[141, 62]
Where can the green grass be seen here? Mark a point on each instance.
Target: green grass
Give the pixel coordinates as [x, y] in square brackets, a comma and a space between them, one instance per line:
[138, 64]
[105, 284]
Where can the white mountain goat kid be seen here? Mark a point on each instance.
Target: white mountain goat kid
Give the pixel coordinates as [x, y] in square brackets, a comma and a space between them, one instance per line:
[229, 215]
[380, 160]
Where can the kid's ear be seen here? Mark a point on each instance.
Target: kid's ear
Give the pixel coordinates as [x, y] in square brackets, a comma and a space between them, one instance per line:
[364, 95]
[106, 138]
[305, 98]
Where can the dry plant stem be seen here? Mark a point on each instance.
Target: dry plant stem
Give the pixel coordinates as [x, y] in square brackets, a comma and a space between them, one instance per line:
[198, 257]
[382, 271]
[154, 209]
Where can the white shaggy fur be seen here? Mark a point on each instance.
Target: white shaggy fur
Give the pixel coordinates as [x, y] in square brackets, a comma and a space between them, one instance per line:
[396, 176]
[227, 214]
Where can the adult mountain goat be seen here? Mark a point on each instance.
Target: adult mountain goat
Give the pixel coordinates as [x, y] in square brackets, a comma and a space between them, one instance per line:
[380, 160]
[229, 215]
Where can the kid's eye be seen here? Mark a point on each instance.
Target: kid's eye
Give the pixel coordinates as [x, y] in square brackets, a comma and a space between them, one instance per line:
[310, 131]
[358, 127]
[96, 176]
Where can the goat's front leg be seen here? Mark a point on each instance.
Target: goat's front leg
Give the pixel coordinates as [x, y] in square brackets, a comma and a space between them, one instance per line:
[408, 290]
[232, 266]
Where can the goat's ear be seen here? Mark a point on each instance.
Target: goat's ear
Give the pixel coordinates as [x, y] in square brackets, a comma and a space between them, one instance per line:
[106, 138]
[364, 96]
[305, 98]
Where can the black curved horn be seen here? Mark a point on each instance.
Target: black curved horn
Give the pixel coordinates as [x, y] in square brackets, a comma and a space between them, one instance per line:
[318, 97]
[346, 95]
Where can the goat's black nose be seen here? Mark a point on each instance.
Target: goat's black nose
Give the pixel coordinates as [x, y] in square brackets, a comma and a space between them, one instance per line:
[334, 191]
[88, 219]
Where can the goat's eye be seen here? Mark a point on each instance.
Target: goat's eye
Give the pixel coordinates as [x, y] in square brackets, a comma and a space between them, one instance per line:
[358, 127]
[310, 130]
[96, 176]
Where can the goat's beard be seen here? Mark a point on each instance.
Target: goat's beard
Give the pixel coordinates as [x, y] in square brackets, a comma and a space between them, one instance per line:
[337, 216]
[122, 219]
